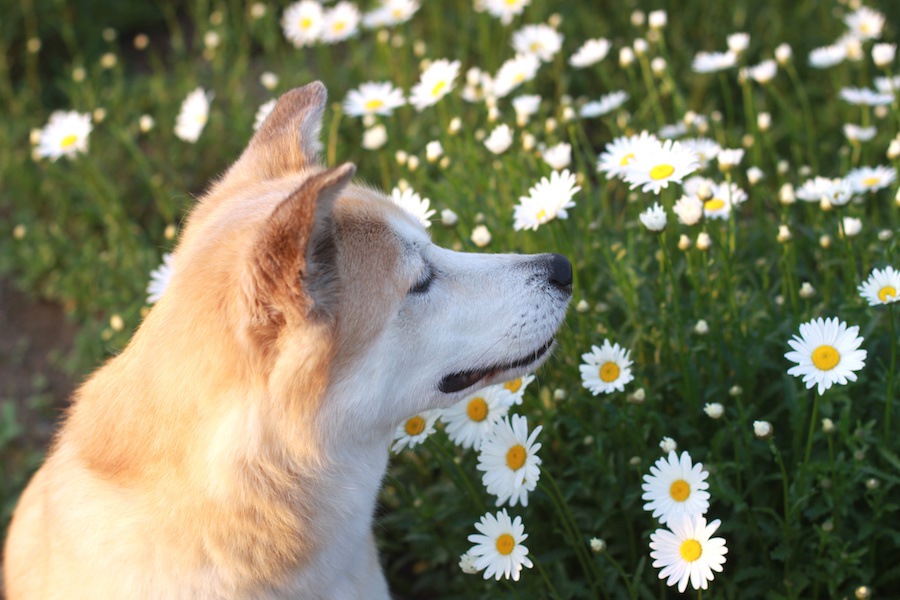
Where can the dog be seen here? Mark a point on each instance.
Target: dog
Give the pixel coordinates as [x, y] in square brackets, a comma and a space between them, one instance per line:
[236, 447]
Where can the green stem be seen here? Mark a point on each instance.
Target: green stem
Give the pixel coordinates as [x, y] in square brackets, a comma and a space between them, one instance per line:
[889, 400]
[812, 429]
[550, 588]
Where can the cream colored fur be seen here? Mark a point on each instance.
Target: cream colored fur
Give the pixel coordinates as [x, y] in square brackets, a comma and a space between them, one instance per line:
[235, 448]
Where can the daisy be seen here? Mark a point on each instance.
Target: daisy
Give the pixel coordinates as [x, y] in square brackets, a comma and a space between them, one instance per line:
[865, 97]
[729, 158]
[826, 352]
[688, 209]
[499, 140]
[676, 486]
[711, 62]
[591, 52]
[504, 10]
[882, 286]
[865, 23]
[827, 56]
[414, 430]
[526, 106]
[193, 116]
[517, 387]
[738, 42]
[655, 169]
[302, 22]
[546, 200]
[605, 105]
[606, 369]
[871, 179]
[510, 462]
[414, 204]
[654, 218]
[704, 148]
[390, 13]
[764, 72]
[887, 85]
[515, 72]
[340, 22]
[159, 279]
[857, 134]
[836, 192]
[262, 113]
[540, 40]
[498, 547]
[688, 553]
[65, 134]
[724, 198]
[372, 98]
[620, 152]
[435, 82]
[471, 419]
[559, 156]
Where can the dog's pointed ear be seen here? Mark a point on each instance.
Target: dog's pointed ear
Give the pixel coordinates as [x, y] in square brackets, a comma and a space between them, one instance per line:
[291, 267]
[288, 140]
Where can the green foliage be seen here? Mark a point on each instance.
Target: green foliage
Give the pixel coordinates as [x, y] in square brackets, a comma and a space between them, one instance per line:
[87, 232]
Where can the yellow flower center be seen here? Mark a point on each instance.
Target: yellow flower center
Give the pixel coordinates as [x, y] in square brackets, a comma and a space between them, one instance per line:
[437, 88]
[374, 104]
[515, 458]
[627, 159]
[305, 23]
[397, 12]
[661, 171]
[505, 544]
[339, 26]
[609, 371]
[887, 292]
[415, 425]
[690, 550]
[535, 46]
[680, 490]
[68, 141]
[870, 181]
[519, 77]
[542, 214]
[512, 2]
[714, 204]
[477, 409]
[514, 386]
[826, 357]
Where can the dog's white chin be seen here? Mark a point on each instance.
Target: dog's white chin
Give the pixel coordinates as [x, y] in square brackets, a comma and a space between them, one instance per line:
[461, 381]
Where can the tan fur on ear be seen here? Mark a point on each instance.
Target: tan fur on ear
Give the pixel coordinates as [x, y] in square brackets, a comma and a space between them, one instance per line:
[279, 264]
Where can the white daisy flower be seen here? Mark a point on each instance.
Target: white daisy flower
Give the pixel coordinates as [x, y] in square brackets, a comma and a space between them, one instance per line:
[676, 486]
[471, 419]
[559, 156]
[606, 369]
[865, 23]
[826, 352]
[764, 72]
[159, 279]
[738, 42]
[515, 72]
[724, 197]
[711, 62]
[827, 56]
[729, 158]
[373, 98]
[688, 209]
[510, 462]
[302, 22]
[413, 431]
[517, 387]
[705, 149]
[855, 133]
[605, 105]
[714, 410]
[390, 13]
[888, 85]
[620, 152]
[526, 106]
[504, 10]
[435, 82]
[262, 113]
[375, 137]
[414, 204]
[882, 286]
[340, 22]
[498, 546]
[193, 116]
[667, 445]
[852, 226]
[499, 140]
[65, 134]
[688, 552]
[871, 179]
[540, 40]
[762, 429]
[591, 52]
[836, 192]
[654, 218]
[865, 97]
[654, 169]
[548, 199]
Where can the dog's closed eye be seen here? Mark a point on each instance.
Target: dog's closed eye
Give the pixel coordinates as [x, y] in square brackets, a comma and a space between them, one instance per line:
[424, 282]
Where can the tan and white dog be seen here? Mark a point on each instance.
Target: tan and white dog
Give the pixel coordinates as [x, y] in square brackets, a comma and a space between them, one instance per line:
[236, 447]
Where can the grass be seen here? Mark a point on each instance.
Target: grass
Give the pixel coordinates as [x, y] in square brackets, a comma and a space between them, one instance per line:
[806, 513]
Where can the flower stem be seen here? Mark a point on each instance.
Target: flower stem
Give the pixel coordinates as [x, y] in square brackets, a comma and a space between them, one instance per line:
[889, 400]
[550, 589]
[812, 429]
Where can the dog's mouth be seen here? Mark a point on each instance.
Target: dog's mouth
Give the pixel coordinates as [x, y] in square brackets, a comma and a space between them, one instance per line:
[456, 382]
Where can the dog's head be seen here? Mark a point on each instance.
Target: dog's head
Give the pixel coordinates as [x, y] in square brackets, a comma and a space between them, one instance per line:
[330, 300]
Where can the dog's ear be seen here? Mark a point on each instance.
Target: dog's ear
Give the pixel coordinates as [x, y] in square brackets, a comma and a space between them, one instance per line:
[288, 139]
[291, 270]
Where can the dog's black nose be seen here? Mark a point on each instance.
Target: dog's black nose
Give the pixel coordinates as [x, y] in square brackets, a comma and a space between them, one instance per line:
[560, 274]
